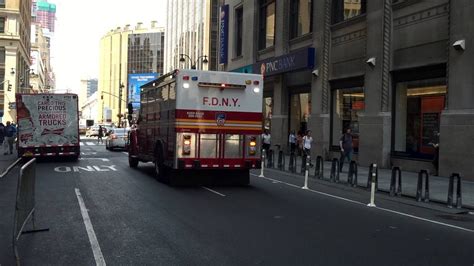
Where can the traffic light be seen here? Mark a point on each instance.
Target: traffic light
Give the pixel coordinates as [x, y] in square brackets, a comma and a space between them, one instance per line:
[9, 87]
[102, 96]
[120, 93]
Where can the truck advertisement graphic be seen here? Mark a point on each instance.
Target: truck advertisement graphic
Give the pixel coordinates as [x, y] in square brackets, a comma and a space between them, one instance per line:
[48, 120]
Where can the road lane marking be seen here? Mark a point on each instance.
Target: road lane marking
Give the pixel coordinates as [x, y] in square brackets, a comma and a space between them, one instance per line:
[99, 258]
[124, 152]
[90, 143]
[213, 191]
[365, 204]
[87, 168]
[102, 159]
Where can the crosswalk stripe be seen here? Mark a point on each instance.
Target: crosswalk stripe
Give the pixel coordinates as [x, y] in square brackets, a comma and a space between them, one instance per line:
[90, 143]
[81, 143]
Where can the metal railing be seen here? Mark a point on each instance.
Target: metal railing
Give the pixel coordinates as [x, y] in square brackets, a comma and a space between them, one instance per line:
[25, 204]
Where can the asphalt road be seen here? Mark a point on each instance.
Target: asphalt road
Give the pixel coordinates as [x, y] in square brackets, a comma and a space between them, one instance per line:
[138, 220]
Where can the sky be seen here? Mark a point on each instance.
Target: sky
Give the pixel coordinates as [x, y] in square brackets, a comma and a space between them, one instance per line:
[80, 26]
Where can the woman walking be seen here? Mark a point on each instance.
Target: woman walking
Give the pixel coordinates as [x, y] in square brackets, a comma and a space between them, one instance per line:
[100, 135]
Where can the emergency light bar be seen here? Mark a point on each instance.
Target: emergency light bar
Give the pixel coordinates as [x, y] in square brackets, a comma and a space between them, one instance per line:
[221, 85]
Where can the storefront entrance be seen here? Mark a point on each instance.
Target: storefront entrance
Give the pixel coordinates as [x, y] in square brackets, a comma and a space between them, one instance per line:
[418, 107]
[300, 109]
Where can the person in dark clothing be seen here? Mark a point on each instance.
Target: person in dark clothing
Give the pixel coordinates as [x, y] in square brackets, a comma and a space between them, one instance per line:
[435, 144]
[100, 135]
[345, 143]
[10, 134]
[2, 133]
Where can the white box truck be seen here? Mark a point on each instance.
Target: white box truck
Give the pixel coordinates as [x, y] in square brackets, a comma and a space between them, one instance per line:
[48, 125]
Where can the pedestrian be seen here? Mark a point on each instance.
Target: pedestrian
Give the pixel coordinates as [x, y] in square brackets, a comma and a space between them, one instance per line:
[292, 141]
[307, 142]
[299, 143]
[100, 135]
[2, 134]
[10, 135]
[435, 144]
[266, 141]
[346, 145]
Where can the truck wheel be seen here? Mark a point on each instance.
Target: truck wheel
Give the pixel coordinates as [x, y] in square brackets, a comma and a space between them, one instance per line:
[132, 162]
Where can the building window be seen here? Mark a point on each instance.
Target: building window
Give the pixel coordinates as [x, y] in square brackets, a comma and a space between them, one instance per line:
[300, 109]
[301, 17]
[417, 112]
[267, 24]
[2, 3]
[346, 9]
[239, 20]
[2, 25]
[347, 104]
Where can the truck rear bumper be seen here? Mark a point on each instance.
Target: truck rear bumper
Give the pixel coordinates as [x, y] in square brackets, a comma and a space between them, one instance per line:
[219, 164]
[48, 151]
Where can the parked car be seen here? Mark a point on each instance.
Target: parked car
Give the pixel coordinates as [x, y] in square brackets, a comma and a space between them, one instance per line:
[82, 129]
[117, 138]
[93, 131]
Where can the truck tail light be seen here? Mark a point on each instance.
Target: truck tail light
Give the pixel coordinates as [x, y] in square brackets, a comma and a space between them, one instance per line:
[186, 145]
[253, 146]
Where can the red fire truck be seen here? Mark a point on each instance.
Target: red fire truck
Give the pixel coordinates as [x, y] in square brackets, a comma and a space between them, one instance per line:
[194, 121]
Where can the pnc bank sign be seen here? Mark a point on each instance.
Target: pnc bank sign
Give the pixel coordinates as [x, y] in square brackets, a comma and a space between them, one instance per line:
[300, 59]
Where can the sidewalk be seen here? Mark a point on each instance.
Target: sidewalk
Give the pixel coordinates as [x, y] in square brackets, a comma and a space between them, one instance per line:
[438, 186]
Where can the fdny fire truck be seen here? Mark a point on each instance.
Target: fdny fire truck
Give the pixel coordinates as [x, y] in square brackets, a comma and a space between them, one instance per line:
[194, 121]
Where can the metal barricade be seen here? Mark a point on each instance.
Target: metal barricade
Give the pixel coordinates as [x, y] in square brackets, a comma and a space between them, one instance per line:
[423, 174]
[458, 191]
[319, 169]
[396, 176]
[335, 170]
[352, 175]
[25, 203]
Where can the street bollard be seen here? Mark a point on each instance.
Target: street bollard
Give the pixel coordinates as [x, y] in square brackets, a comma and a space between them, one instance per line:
[292, 163]
[263, 164]
[423, 174]
[270, 159]
[303, 164]
[372, 191]
[280, 164]
[319, 169]
[306, 173]
[394, 190]
[352, 175]
[335, 170]
[373, 169]
[458, 191]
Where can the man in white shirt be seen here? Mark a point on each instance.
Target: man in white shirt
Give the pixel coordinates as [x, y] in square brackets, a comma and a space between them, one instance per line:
[266, 141]
[307, 141]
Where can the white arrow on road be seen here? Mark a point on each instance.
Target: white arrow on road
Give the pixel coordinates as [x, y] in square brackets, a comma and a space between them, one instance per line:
[101, 159]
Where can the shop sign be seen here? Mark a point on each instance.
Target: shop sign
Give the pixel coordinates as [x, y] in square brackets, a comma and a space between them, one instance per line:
[301, 59]
[224, 34]
[244, 69]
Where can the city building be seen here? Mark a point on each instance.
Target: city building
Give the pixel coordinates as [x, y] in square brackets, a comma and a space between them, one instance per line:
[129, 57]
[396, 72]
[44, 13]
[192, 31]
[89, 109]
[40, 60]
[86, 89]
[15, 21]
